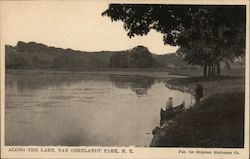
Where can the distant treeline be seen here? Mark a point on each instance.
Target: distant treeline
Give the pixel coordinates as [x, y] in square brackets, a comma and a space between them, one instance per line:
[35, 55]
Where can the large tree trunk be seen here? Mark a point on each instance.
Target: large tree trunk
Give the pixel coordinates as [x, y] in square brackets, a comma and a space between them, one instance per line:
[213, 70]
[205, 70]
[218, 69]
[209, 70]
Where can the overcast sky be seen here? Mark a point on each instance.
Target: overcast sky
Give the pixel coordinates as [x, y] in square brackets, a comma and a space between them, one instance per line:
[71, 24]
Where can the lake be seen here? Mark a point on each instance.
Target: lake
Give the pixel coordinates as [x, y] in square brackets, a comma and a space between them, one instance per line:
[45, 108]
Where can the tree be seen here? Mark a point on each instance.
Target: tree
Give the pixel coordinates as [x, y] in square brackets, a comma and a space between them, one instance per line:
[119, 60]
[138, 57]
[207, 35]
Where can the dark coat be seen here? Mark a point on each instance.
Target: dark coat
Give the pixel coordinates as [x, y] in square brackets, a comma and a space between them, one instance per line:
[199, 90]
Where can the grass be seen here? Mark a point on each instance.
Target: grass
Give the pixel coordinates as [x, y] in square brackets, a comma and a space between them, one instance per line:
[219, 120]
[211, 86]
[198, 71]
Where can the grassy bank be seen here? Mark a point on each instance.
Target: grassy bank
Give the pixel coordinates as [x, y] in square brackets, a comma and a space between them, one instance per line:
[223, 84]
[218, 121]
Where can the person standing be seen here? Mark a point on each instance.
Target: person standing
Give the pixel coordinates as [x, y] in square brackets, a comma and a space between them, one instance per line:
[169, 104]
[198, 92]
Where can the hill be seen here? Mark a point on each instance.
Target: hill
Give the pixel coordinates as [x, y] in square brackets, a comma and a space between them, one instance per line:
[171, 60]
[138, 57]
[36, 55]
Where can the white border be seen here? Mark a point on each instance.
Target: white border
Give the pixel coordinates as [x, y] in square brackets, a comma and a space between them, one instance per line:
[138, 152]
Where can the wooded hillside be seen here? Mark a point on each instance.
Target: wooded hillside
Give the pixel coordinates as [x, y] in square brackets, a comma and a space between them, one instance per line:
[35, 55]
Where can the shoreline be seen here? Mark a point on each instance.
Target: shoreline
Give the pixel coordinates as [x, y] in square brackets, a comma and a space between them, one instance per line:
[158, 73]
[172, 134]
[218, 91]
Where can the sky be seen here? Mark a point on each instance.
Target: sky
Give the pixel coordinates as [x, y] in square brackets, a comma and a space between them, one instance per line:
[71, 24]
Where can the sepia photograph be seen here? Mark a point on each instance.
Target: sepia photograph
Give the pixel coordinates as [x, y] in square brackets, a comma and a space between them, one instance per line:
[107, 77]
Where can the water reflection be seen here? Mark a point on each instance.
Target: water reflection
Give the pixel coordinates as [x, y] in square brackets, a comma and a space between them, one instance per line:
[35, 80]
[82, 108]
[138, 84]
[30, 80]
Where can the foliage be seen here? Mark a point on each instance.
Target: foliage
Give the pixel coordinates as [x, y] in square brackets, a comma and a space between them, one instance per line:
[35, 55]
[138, 57]
[207, 35]
[119, 60]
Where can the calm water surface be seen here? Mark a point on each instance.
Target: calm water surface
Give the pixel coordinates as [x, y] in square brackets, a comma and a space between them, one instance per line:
[83, 108]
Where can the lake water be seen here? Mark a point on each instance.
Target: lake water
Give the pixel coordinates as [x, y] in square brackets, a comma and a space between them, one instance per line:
[83, 108]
